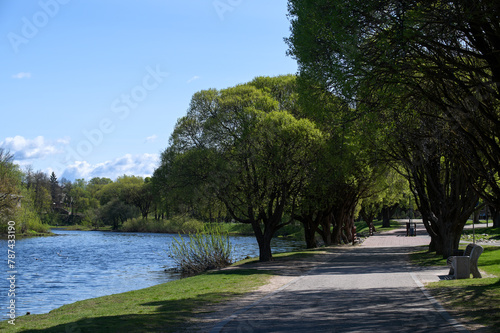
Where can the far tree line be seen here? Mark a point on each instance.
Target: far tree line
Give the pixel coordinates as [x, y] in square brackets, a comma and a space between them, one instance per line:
[94, 203]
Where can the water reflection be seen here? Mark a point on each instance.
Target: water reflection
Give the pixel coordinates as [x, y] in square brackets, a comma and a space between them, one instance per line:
[77, 265]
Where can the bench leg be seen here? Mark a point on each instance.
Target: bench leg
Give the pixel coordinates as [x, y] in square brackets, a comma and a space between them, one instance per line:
[475, 272]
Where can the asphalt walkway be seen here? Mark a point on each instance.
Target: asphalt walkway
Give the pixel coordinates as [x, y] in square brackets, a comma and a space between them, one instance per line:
[367, 288]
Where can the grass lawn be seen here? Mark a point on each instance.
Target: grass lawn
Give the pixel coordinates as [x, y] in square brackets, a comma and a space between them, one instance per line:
[475, 300]
[481, 234]
[163, 308]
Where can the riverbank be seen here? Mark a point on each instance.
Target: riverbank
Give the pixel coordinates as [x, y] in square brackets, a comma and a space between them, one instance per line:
[167, 307]
[29, 233]
[196, 303]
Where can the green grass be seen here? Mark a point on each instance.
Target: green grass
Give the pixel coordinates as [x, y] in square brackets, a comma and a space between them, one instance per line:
[177, 224]
[167, 307]
[80, 227]
[482, 234]
[489, 261]
[476, 300]
[164, 308]
[425, 258]
[286, 256]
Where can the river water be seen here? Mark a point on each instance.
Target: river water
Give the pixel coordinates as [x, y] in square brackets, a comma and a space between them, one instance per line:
[77, 265]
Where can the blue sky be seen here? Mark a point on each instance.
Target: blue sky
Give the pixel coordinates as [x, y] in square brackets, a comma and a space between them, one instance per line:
[93, 88]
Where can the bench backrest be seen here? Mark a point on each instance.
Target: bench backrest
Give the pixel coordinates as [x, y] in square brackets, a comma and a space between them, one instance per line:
[476, 252]
[468, 249]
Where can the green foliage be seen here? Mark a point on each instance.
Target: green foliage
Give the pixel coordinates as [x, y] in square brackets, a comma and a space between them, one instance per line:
[116, 212]
[26, 217]
[92, 218]
[207, 249]
[9, 183]
[238, 229]
[409, 66]
[239, 148]
[178, 224]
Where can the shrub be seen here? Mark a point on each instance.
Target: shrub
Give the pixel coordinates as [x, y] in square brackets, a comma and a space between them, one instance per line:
[207, 249]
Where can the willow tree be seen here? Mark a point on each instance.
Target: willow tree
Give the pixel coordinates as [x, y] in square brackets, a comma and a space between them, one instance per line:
[443, 52]
[238, 144]
[343, 172]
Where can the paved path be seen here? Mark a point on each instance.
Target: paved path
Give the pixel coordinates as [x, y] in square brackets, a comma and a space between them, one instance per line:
[368, 288]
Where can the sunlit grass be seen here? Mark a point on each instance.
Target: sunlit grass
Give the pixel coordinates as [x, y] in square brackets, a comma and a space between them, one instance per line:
[163, 308]
[475, 300]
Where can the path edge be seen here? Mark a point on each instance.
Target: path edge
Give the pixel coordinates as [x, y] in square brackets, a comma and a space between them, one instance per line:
[439, 308]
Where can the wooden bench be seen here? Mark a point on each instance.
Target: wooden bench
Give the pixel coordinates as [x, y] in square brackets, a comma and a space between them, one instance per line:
[463, 265]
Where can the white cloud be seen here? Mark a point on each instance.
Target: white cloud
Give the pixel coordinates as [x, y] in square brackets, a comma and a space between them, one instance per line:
[151, 138]
[22, 75]
[28, 149]
[32, 151]
[136, 165]
[64, 141]
[194, 78]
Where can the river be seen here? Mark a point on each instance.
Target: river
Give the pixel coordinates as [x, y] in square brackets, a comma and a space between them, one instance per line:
[77, 265]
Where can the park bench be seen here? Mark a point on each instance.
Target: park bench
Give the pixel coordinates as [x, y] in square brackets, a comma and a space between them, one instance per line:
[462, 266]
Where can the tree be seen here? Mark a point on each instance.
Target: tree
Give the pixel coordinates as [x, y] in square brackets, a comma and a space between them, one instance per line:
[55, 189]
[39, 185]
[443, 53]
[384, 197]
[237, 144]
[96, 184]
[9, 182]
[345, 169]
[79, 197]
[437, 179]
[115, 212]
[131, 190]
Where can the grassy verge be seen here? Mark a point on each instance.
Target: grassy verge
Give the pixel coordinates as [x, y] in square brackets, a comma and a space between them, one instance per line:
[475, 300]
[167, 307]
[163, 308]
[79, 227]
[178, 224]
[28, 233]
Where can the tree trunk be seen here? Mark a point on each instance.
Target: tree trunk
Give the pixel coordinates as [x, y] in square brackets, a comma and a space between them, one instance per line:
[445, 230]
[387, 213]
[386, 222]
[495, 216]
[265, 253]
[368, 218]
[264, 239]
[310, 227]
[326, 231]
